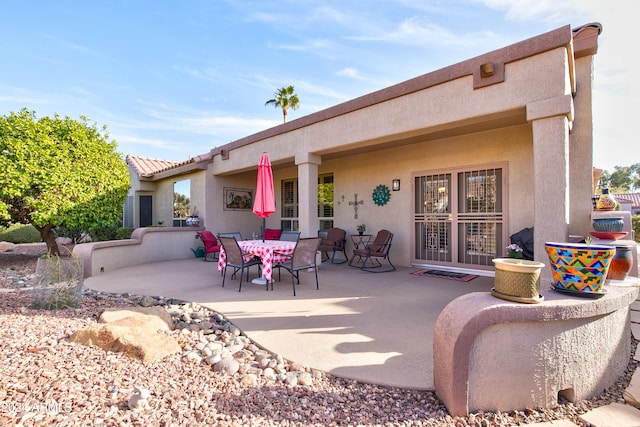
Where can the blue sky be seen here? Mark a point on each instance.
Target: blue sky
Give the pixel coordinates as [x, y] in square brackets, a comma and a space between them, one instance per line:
[172, 79]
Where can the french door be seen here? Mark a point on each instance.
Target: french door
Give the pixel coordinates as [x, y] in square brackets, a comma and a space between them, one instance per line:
[458, 217]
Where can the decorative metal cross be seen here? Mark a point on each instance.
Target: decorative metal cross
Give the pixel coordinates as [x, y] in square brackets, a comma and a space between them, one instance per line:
[355, 204]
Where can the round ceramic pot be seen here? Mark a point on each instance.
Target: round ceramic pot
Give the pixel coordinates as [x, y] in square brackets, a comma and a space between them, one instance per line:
[621, 263]
[578, 266]
[608, 225]
[192, 221]
[517, 280]
[606, 201]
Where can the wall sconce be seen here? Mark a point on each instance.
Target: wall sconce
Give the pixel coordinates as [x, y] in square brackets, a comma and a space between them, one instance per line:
[396, 185]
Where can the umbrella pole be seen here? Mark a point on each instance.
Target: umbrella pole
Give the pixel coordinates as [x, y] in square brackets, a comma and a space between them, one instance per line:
[262, 280]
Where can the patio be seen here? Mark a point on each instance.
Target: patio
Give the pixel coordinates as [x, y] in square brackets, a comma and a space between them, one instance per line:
[376, 328]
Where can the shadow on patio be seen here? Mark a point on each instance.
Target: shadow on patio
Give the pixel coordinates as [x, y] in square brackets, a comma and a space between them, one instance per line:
[375, 328]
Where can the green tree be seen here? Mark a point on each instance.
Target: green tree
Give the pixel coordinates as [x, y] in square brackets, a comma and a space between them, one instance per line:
[180, 205]
[285, 98]
[623, 179]
[59, 172]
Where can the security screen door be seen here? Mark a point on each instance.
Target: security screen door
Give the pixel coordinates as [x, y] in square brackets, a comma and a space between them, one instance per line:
[458, 217]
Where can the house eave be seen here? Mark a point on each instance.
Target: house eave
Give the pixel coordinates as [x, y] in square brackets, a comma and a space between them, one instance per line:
[561, 37]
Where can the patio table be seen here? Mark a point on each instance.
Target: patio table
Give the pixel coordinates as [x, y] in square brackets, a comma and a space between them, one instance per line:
[265, 250]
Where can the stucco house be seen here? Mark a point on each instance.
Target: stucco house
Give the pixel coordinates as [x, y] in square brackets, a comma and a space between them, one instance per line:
[452, 162]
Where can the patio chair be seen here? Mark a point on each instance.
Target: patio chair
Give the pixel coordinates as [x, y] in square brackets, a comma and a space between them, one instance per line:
[235, 234]
[303, 258]
[374, 252]
[272, 234]
[290, 236]
[211, 245]
[334, 241]
[236, 259]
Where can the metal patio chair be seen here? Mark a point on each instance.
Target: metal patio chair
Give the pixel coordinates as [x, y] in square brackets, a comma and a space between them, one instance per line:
[303, 258]
[335, 241]
[211, 245]
[290, 236]
[374, 252]
[235, 234]
[236, 259]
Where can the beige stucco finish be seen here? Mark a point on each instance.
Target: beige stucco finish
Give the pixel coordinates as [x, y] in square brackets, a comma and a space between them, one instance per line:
[491, 354]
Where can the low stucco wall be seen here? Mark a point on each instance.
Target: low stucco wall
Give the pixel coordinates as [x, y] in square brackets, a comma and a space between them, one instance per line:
[495, 355]
[152, 244]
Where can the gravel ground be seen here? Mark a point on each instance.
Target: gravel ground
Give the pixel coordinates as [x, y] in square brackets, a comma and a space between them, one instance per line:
[45, 380]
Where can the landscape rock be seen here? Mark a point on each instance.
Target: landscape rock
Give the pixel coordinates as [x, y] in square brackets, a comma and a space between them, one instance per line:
[156, 314]
[147, 301]
[227, 365]
[132, 332]
[138, 400]
[7, 247]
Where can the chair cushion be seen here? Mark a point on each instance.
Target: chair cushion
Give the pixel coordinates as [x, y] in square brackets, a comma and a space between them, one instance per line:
[327, 245]
[272, 234]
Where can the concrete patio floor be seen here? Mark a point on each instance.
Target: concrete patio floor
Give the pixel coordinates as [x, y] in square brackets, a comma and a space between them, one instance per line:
[375, 328]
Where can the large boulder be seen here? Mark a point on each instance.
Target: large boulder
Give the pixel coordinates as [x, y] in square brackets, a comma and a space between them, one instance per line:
[137, 332]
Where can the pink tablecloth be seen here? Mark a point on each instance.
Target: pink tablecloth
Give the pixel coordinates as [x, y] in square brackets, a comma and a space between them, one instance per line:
[265, 250]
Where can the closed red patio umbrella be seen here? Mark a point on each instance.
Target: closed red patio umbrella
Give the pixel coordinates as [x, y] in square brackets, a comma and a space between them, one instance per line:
[264, 203]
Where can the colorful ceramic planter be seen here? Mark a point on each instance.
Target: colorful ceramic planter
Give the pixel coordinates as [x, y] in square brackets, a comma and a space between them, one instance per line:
[578, 267]
[621, 263]
[610, 225]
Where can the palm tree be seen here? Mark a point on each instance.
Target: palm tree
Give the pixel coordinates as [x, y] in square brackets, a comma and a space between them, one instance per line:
[285, 98]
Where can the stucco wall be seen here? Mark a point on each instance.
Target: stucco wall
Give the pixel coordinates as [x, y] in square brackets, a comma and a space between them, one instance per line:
[582, 161]
[429, 110]
[492, 355]
[150, 244]
[537, 360]
[219, 220]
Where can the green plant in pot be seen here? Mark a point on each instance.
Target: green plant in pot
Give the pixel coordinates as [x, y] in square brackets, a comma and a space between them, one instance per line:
[361, 229]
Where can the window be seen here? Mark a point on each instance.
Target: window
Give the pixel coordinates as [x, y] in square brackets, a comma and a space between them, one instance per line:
[289, 203]
[325, 201]
[181, 202]
[289, 209]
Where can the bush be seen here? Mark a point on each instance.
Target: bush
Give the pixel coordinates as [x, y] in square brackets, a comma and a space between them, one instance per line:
[20, 233]
[101, 234]
[123, 233]
[73, 233]
[635, 226]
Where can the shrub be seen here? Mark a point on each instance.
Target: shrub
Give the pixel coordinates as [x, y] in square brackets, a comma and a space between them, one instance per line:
[20, 233]
[74, 234]
[123, 233]
[101, 234]
[635, 226]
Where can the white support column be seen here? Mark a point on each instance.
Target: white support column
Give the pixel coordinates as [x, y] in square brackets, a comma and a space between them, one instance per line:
[308, 193]
[550, 120]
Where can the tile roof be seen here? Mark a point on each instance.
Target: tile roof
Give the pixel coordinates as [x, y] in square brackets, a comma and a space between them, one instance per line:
[634, 198]
[146, 167]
